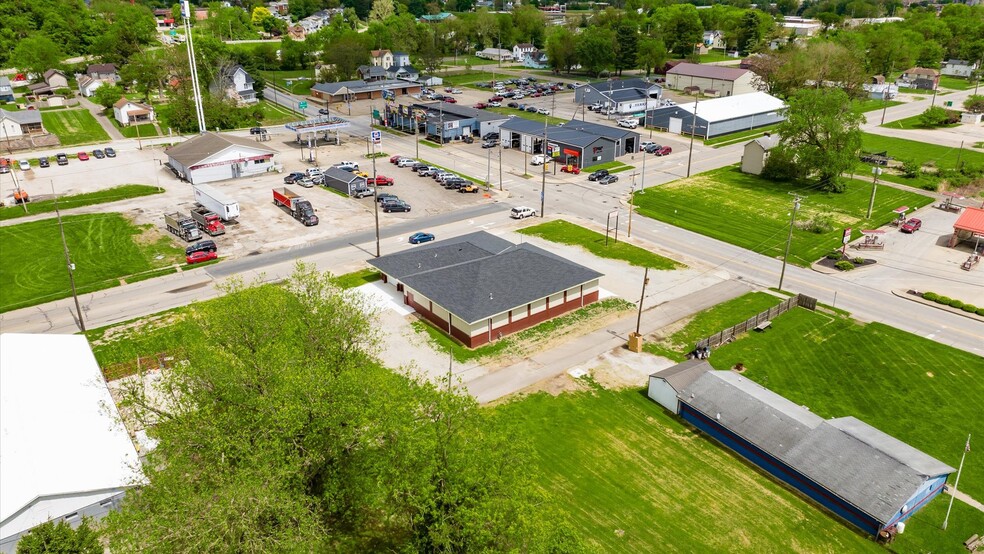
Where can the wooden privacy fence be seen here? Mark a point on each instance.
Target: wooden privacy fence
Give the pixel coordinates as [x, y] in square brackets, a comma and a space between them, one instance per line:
[727, 335]
[162, 360]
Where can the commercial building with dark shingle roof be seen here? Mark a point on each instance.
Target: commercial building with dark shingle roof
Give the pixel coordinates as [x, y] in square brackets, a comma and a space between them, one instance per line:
[725, 80]
[213, 157]
[859, 473]
[479, 288]
[574, 143]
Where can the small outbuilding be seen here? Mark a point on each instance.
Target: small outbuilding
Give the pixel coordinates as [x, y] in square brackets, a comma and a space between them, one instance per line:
[479, 288]
[343, 181]
[213, 157]
[720, 116]
[756, 153]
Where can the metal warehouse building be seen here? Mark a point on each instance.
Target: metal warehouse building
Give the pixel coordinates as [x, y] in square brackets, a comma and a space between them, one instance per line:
[576, 143]
[479, 288]
[719, 116]
[212, 157]
[450, 121]
[862, 475]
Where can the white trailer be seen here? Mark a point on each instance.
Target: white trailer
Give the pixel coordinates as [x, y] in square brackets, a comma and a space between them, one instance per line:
[216, 201]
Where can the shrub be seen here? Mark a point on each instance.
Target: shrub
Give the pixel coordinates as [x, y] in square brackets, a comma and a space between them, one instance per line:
[933, 117]
[819, 224]
[958, 304]
[858, 260]
[945, 300]
[911, 169]
[931, 296]
[835, 255]
[781, 165]
[969, 308]
[844, 265]
[980, 311]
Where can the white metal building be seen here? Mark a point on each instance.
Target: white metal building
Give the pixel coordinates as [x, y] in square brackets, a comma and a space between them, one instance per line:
[719, 116]
[64, 454]
[213, 157]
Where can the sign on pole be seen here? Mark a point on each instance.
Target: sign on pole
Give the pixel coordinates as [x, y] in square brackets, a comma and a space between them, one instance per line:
[302, 104]
[847, 235]
[377, 137]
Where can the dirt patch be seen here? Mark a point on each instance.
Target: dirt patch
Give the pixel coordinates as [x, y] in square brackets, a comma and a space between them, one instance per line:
[662, 336]
[122, 331]
[555, 386]
[930, 374]
[148, 235]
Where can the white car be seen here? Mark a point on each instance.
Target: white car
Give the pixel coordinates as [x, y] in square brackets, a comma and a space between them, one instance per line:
[519, 96]
[543, 111]
[24, 165]
[456, 91]
[405, 162]
[494, 104]
[314, 172]
[628, 123]
[522, 212]
[539, 159]
[645, 143]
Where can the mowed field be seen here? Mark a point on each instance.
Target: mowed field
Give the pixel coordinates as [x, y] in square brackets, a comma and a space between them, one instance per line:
[74, 127]
[104, 248]
[922, 152]
[753, 213]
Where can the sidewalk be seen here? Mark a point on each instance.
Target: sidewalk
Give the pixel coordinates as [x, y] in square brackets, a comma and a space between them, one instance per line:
[556, 361]
[97, 112]
[965, 499]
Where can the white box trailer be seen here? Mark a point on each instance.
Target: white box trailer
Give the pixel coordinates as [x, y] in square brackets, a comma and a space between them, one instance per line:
[216, 201]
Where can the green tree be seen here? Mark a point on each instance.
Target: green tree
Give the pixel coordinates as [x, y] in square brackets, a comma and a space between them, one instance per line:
[530, 24]
[345, 55]
[36, 55]
[561, 49]
[822, 134]
[382, 10]
[283, 433]
[594, 50]
[107, 95]
[626, 47]
[60, 538]
[652, 55]
[751, 29]
[681, 28]
[146, 71]
[130, 28]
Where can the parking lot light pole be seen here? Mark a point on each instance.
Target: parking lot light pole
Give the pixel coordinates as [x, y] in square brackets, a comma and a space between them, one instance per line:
[693, 131]
[375, 192]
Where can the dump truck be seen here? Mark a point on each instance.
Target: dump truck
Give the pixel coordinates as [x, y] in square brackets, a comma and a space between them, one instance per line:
[207, 221]
[299, 208]
[182, 226]
[217, 202]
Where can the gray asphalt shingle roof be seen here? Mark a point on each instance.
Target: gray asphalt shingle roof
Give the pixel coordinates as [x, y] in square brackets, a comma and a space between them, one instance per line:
[600, 130]
[473, 280]
[202, 147]
[684, 373]
[869, 469]
[24, 117]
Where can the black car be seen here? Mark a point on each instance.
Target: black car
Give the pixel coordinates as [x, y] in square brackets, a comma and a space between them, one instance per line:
[98, 153]
[201, 246]
[598, 175]
[513, 104]
[62, 158]
[652, 148]
[257, 131]
[608, 179]
[400, 206]
[383, 196]
[110, 153]
[490, 136]
[43, 161]
[323, 111]
[467, 139]
[531, 109]
[418, 166]
[294, 177]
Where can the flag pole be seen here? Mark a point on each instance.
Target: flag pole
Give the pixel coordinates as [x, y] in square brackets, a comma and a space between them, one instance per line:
[957, 482]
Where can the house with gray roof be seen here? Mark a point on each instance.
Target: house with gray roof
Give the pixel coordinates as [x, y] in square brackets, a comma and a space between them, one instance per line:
[623, 96]
[479, 288]
[370, 73]
[6, 89]
[19, 124]
[862, 475]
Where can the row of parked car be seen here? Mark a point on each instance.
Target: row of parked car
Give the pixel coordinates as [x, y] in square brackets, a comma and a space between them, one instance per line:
[61, 159]
[447, 179]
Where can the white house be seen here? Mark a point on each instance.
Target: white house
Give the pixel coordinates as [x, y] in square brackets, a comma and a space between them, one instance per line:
[213, 157]
[714, 39]
[65, 454]
[236, 83]
[401, 59]
[128, 112]
[521, 50]
[18, 124]
[381, 58]
[958, 68]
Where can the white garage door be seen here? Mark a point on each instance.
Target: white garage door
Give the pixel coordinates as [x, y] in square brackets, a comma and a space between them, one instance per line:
[676, 125]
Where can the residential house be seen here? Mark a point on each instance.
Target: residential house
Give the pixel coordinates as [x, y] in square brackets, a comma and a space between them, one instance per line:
[756, 153]
[18, 124]
[382, 58]
[280, 7]
[235, 83]
[406, 73]
[959, 68]
[714, 40]
[495, 54]
[437, 17]
[400, 59]
[95, 76]
[53, 80]
[920, 78]
[6, 89]
[88, 85]
[536, 59]
[296, 32]
[520, 51]
[371, 72]
[131, 113]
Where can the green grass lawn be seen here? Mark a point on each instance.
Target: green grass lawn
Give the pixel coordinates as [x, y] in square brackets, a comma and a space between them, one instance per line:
[144, 130]
[275, 114]
[871, 104]
[357, 278]
[78, 200]
[613, 166]
[74, 127]
[301, 80]
[917, 390]
[922, 152]
[914, 122]
[708, 322]
[551, 120]
[465, 59]
[955, 83]
[717, 56]
[743, 136]
[469, 78]
[104, 247]
[916, 91]
[753, 213]
[568, 233]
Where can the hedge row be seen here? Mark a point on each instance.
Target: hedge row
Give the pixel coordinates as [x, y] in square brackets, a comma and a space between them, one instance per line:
[953, 303]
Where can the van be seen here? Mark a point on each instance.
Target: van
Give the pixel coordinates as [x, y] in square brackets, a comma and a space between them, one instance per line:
[539, 159]
[522, 212]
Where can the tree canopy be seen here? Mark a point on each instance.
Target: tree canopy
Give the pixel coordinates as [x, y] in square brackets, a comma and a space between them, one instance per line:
[60, 538]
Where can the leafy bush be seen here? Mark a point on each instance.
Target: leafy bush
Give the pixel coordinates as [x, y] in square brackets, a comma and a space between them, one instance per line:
[931, 296]
[781, 165]
[969, 308]
[911, 169]
[819, 223]
[958, 304]
[974, 103]
[858, 260]
[937, 117]
[980, 311]
[835, 255]
[844, 265]
[945, 300]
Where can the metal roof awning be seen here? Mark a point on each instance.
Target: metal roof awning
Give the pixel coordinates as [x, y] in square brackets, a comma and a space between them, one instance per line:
[872, 232]
[901, 210]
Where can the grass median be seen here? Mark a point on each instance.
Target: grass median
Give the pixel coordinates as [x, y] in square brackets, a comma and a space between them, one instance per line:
[114, 194]
[564, 232]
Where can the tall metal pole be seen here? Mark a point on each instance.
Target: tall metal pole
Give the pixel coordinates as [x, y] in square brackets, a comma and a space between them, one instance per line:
[789, 238]
[875, 172]
[693, 131]
[642, 297]
[20, 192]
[375, 192]
[543, 179]
[642, 184]
[946, 520]
[500, 160]
[416, 130]
[68, 260]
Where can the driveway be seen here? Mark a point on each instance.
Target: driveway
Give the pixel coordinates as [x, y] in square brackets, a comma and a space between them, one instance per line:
[97, 112]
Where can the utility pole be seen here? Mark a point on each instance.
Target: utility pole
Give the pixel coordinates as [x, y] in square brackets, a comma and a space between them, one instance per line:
[68, 260]
[957, 482]
[375, 187]
[959, 152]
[416, 130]
[693, 131]
[635, 339]
[643, 179]
[875, 172]
[631, 205]
[543, 181]
[500, 160]
[789, 239]
[488, 169]
[20, 192]
[885, 108]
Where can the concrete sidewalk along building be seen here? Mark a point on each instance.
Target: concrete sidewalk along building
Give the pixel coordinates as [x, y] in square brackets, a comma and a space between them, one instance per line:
[862, 475]
[65, 454]
[719, 116]
[479, 288]
[213, 157]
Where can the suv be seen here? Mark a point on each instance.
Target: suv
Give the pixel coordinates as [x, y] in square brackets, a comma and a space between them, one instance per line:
[62, 158]
[201, 246]
[347, 166]
[405, 162]
[43, 161]
[522, 212]
[257, 131]
[314, 172]
[363, 192]
[601, 173]
[427, 171]
[490, 136]
[628, 123]
[470, 188]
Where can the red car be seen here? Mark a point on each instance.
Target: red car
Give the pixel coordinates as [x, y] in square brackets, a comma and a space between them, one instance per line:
[450, 100]
[197, 257]
[663, 151]
[496, 98]
[380, 180]
[480, 106]
[911, 225]
[83, 156]
[571, 169]
[394, 159]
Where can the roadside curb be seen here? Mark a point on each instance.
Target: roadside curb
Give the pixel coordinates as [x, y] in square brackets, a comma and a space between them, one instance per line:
[905, 294]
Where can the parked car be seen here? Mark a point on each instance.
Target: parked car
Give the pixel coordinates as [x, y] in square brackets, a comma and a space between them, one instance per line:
[62, 158]
[98, 153]
[646, 143]
[539, 159]
[24, 165]
[110, 153]
[199, 257]
[570, 168]
[512, 105]
[467, 139]
[43, 161]
[496, 98]
[522, 212]
[384, 196]
[543, 111]
[322, 111]
[257, 131]
[598, 175]
[652, 148]
[490, 143]
[347, 166]
[306, 182]
[473, 188]
[608, 179]
[364, 192]
[594, 107]
[531, 109]
[456, 91]
[911, 225]
[394, 159]
[427, 171]
[201, 246]
[450, 100]
[314, 172]
[663, 150]
[406, 162]
[83, 156]
[495, 104]
[380, 180]
[418, 238]
[294, 176]
[418, 166]
[490, 136]
[400, 206]
[628, 123]
[480, 106]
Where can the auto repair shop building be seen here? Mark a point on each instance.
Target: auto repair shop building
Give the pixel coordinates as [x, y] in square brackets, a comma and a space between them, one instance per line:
[212, 157]
[719, 116]
[626, 96]
[479, 288]
[574, 143]
[452, 121]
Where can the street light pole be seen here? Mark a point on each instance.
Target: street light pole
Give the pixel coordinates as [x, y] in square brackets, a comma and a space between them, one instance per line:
[543, 181]
[693, 131]
[375, 192]
[642, 184]
[789, 239]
